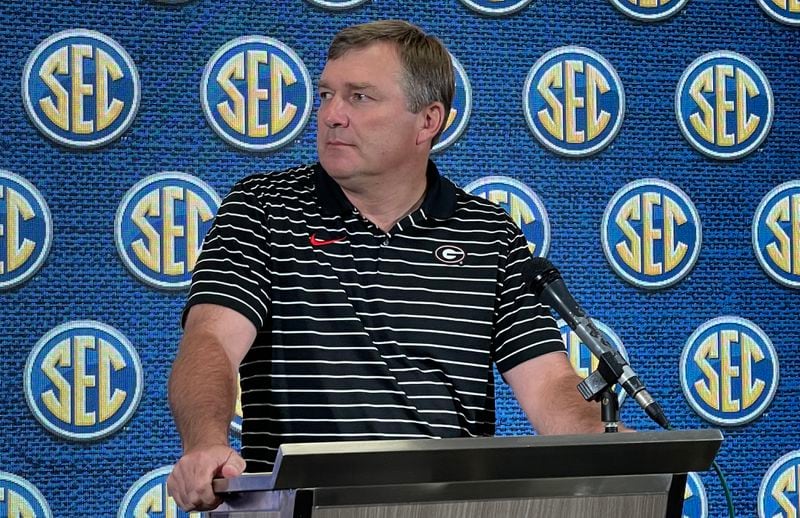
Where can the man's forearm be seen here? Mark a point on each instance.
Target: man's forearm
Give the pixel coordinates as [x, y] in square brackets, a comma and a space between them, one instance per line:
[567, 412]
[202, 392]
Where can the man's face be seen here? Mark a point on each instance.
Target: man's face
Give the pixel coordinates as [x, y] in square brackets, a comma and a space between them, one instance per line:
[364, 126]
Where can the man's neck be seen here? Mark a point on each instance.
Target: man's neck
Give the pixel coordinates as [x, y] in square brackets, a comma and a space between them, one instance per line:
[386, 199]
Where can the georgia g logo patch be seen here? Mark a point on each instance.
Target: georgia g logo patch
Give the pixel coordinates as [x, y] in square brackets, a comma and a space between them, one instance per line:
[651, 233]
[256, 93]
[80, 88]
[729, 371]
[776, 234]
[724, 105]
[574, 101]
[522, 204]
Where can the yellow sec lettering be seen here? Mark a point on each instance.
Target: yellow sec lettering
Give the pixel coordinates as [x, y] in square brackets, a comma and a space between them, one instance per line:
[785, 253]
[793, 6]
[171, 230]
[552, 120]
[58, 112]
[573, 344]
[59, 405]
[232, 69]
[451, 117]
[197, 212]
[280, 74]
[709, 392]
[151, 501]
[704, 126]
[728, 370]
[751, 354]
[149, 254]
[108, 359]
[18, 507]
[746, 124]
[105, 68]
[723, 105]
[80, 89]
[595, 83]
[650, 233]
[786, 483]
[82, 380]
[796, 232]
[673, 215]
[255, 94]
[17, 208]
[631, 255]
[572, 101]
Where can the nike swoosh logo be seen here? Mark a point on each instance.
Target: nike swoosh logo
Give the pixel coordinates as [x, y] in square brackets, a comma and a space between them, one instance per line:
[322, 242]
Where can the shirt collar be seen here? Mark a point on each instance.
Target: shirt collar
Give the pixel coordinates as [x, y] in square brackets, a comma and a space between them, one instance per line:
[439, 202]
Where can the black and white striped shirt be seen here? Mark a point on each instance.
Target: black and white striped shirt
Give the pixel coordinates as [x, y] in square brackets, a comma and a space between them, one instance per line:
[364, 334]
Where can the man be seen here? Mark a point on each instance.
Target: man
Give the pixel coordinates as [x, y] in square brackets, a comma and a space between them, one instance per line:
[364, 297]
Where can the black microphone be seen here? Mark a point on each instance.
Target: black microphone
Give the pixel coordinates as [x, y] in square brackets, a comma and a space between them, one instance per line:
[547, 284]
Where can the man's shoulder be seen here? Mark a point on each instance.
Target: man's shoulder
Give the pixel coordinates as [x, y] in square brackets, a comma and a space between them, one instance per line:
[471, 203]
[295, 178]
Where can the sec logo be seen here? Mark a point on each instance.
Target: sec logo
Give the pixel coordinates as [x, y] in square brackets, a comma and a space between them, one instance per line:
[256, 93]
[496, 7]
[83, 380]
[582, 359]
[784, 11]
[695, 501]
[776, 234]
[20, 499]
[148, 497]
[779, 492]
[522, 204]
[336, 5]
[651, 233]
[574, 101]
[160, 226]
[649, 10]
[729, 371]
[80, 88]
[26, 230]
[724, 105]
[459, 111]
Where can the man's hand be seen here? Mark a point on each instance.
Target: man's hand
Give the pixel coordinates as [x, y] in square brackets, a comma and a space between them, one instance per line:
[190, 481]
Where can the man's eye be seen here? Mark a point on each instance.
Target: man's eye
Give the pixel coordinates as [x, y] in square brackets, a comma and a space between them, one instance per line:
[360, 97]
[325, 95]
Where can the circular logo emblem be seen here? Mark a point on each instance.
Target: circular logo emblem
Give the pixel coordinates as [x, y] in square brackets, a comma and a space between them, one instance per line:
[649, 10]
[256, 93]
[724, 105]
[83, 380]
[695, 501]
[778, 492]
[784, 11]
[460, 110]
[337, 5]
[573, 101]
[160, 226]
[651, 233]
[450, 254]
[496, 7]
[522, 204]
[582, 359]
[26, 230]
[80, 88]
[18, 497]
[729, 371]
[776, 234]
[148, 497]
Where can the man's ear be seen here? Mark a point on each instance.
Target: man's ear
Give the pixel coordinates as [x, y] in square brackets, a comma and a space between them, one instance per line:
[432, 118]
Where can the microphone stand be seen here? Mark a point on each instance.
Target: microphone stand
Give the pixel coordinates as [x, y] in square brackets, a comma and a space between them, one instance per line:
[598, 387]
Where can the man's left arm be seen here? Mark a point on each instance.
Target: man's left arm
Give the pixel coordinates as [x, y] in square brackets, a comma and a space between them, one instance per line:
[546, 389]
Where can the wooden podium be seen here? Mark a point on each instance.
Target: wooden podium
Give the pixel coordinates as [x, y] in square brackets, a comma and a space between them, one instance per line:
[623, 475]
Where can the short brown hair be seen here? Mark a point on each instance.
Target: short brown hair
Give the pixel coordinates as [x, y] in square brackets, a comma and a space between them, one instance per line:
[428, 69]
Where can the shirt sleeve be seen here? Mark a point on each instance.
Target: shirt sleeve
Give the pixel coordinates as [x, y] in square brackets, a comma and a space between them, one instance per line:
[232, 269]
[523, 327]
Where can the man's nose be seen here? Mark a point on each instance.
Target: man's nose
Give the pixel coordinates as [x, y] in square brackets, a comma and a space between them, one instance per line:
[334, 113]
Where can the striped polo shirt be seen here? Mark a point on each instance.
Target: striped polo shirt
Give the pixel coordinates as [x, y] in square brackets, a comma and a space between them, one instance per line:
[365, 334]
